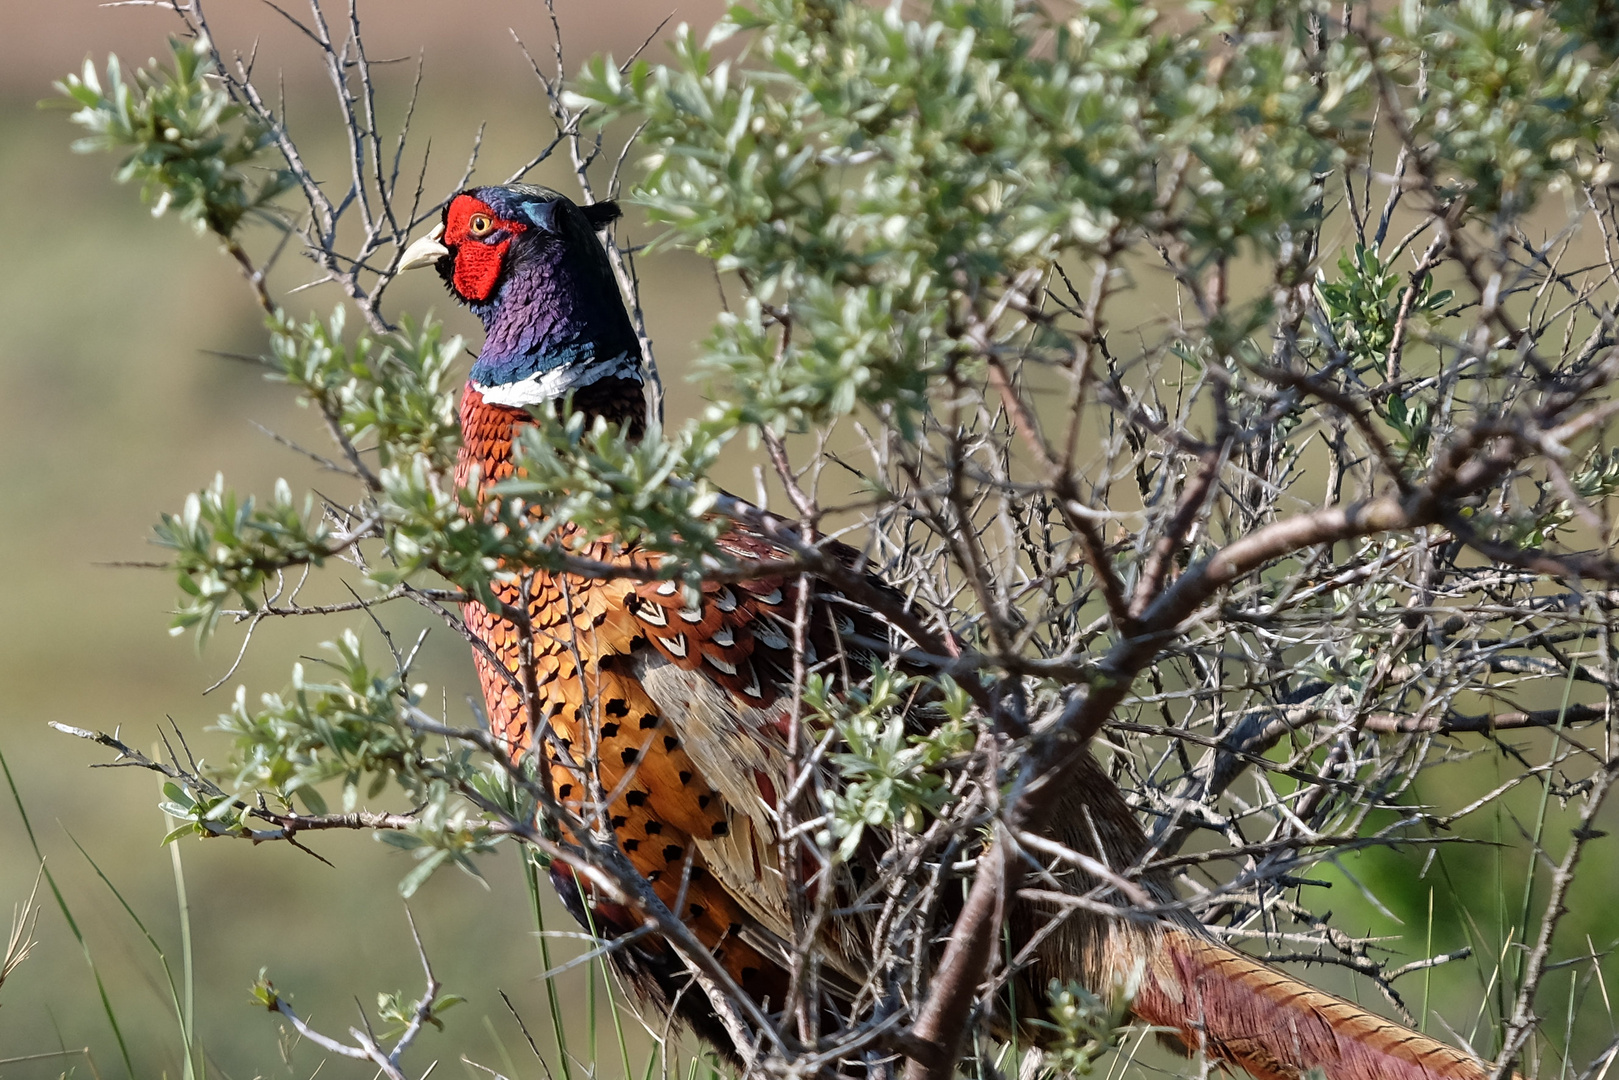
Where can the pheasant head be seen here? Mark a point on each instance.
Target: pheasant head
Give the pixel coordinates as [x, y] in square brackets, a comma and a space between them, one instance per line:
[527, 262]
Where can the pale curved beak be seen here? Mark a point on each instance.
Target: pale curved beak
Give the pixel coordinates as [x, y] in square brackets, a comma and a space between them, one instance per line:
[426, 251]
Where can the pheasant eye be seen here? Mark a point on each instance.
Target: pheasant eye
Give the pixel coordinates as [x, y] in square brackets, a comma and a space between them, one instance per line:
[480, 225]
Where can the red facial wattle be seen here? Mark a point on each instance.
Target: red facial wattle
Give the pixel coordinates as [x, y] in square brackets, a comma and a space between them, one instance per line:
[478, 259]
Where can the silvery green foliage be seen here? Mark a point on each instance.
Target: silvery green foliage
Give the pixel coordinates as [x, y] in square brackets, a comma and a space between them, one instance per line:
[228, 548]
[396, 390]
[188, 144]
[360, 727]
[1086, 1025]
[880, 176]
[647, 491]
[396, 394]
[893, 776]
[1513, 107]
[346, 724]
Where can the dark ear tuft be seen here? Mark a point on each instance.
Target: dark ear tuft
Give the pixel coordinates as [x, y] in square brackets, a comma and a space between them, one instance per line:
[602, 214]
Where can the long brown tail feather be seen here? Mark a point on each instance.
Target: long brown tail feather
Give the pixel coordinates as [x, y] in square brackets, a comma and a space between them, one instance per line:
[1242, 1011]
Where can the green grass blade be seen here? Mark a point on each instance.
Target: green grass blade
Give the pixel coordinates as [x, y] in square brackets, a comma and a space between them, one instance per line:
[590, 1008]
[618, 1020]
[532, 876]
[612, 1000]
[72, 923]
[180, 1014]
[187, 964]
[607, 981]
[506, 1061]
[652, 1060]
[1427, 976]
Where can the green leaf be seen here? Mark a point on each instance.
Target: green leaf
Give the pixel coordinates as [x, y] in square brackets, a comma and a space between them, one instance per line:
[191, 148]
[423, 870]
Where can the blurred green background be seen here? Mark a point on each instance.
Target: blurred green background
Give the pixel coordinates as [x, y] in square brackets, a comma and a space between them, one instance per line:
[113, 407]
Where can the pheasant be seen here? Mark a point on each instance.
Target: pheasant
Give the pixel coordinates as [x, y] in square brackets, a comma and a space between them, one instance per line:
[683, 708]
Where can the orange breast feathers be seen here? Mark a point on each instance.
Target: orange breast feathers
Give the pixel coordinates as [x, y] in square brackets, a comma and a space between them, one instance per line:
[657, 717]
